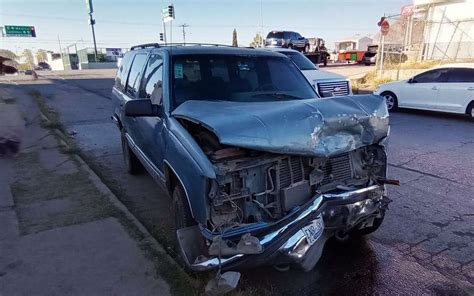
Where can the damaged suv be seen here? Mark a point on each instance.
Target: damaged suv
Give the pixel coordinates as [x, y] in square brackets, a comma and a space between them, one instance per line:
[260, 169]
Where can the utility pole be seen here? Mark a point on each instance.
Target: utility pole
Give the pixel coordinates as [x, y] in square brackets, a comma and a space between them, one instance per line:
[184, 32]
[90, 10]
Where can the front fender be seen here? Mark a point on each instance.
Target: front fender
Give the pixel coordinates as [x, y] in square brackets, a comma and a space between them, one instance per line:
[191, 166]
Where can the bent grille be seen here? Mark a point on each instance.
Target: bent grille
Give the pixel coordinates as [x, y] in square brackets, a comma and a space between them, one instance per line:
[337, 169]
[335, 88]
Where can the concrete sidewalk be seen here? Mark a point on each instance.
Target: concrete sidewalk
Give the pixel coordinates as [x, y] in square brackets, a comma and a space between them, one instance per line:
[63, 232]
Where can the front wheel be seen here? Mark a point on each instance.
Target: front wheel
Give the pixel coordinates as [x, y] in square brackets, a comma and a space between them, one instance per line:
[356, 233]
[391, 100]
[470, 111]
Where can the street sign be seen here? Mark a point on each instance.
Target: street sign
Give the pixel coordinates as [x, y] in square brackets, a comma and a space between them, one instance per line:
[407, 10]
[20, 31]
[384, 27]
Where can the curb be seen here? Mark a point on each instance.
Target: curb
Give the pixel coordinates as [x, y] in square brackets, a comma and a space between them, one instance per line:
[113, 198]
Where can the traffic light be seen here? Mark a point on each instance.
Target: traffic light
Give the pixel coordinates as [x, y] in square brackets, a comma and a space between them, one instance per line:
[171, 11]
[381, 21]
[162, 37]
[33, 32]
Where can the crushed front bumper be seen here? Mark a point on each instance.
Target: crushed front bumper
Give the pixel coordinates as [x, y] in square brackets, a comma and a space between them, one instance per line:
[287, 243]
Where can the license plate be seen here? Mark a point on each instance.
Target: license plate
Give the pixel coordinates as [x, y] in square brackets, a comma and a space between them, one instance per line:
[313, 231]
[274, 42]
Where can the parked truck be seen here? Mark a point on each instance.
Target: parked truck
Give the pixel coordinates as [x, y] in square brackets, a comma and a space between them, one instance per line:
[318, 52]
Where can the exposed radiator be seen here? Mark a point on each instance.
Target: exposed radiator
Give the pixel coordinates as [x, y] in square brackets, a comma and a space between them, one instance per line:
[293, 169]
[337, 168]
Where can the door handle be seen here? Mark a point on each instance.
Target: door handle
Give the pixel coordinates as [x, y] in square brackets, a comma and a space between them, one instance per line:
[470, 88]
[434, 88]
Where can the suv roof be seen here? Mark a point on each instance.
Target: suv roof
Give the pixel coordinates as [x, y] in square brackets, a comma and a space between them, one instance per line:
[177, 49]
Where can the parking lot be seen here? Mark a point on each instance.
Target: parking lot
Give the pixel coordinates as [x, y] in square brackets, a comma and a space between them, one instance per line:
[425, 245]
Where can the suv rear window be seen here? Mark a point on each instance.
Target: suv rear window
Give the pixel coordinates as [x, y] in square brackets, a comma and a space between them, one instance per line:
[237, 78]
[278, 35]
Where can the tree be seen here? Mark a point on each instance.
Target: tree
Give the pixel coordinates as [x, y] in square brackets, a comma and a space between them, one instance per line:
[41, 55]
[7, 54]
[28, 56]
[234, 38]
[257, 41]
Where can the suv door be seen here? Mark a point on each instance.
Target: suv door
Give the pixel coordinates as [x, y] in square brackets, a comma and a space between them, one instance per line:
[458, 91]
[130, 92]
[151, 128]
[423, 91]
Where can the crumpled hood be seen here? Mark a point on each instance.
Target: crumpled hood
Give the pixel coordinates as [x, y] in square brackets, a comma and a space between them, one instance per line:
[315, 127]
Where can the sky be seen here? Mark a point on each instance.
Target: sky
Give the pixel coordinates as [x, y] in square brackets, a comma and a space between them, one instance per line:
[122, 23]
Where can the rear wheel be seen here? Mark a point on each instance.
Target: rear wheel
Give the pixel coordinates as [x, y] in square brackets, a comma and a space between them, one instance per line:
[391, 100]
[132, 164]
[290, 46]
[470, 111]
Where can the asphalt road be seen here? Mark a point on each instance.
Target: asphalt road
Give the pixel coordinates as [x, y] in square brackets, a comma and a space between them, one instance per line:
[425, 246]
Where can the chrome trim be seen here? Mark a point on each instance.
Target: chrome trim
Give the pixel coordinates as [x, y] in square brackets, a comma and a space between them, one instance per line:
[182, 184]
[296, 238]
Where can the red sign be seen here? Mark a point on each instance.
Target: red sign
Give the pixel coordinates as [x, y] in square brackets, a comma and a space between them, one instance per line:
[407, 10]
[384, 27]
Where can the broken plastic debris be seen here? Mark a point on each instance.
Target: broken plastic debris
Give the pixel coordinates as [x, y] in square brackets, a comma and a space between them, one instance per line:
[223, 283]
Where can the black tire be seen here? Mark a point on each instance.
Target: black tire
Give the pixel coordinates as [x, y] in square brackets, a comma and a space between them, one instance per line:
[325, 61]
[355, 233]
[470, 111]
[391, 100]
[306, 48]
[182, 213]
[290, 46]
[132, 164]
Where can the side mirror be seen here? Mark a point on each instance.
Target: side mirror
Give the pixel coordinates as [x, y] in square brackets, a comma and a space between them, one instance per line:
[142, 107]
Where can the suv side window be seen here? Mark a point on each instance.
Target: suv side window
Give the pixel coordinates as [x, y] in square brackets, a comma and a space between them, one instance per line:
[133, 81]
[460, 75]
[297, 35]
[437, 75]
[288, 35]
[152, 82]
[122, 72]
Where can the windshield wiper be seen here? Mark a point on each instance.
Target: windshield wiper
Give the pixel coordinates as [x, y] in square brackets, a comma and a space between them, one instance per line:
[278, 95]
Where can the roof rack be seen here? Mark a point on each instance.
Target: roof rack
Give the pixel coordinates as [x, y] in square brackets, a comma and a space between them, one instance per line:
[196, 44]
[157, 45]
[146, 45]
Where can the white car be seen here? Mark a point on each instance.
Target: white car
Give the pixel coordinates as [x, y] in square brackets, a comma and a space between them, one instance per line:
[325, 83]
[446, 89]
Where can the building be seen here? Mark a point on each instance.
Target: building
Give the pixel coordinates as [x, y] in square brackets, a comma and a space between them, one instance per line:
[353, 43]
[448, 29]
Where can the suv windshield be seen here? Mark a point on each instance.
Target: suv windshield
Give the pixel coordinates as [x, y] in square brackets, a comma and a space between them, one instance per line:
[237, 78]
[278, 35]
[300, 60]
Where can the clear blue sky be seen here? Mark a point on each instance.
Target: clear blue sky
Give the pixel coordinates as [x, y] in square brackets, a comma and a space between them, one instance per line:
[121, 23]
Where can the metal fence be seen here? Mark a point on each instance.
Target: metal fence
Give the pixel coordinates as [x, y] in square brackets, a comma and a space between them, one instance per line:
[426, 37]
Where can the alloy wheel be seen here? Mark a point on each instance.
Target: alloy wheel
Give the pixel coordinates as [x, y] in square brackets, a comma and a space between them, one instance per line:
[390, 101]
